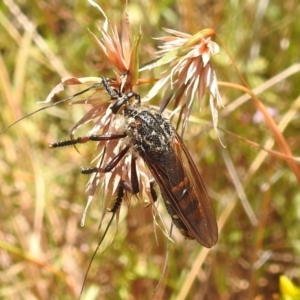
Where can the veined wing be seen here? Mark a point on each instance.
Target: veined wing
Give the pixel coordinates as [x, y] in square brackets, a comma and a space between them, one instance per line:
[184, 191]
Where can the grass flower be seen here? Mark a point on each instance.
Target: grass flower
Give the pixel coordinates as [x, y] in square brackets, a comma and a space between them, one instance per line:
[189, 72]
[122, 54]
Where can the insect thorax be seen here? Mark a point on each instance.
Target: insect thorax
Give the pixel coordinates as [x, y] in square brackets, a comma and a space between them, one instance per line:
[148, 131]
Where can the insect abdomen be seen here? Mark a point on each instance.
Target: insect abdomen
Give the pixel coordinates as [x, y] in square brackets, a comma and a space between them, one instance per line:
[176, 220]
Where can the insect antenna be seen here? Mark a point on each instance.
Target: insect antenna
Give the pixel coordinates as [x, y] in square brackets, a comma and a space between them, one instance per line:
[96, 85]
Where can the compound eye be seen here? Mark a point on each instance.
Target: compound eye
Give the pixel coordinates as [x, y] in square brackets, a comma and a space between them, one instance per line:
[117, 107]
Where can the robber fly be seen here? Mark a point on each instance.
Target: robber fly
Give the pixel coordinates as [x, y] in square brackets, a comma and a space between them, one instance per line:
[156, 141]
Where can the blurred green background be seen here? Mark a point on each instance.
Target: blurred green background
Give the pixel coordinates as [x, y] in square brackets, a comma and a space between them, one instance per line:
[44, 252]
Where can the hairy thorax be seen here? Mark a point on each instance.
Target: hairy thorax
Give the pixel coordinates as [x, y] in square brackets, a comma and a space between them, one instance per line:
[148, 131]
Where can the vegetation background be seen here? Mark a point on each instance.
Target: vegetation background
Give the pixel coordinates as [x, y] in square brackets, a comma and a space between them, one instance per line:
[44, 252]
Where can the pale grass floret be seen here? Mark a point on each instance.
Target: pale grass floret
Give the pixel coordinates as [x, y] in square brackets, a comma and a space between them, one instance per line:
[189, 71]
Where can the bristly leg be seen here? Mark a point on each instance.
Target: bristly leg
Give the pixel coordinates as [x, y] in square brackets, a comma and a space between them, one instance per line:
[83, 140]
[110, 166]
[114, 209]
[134, 188]
[153, 191]
[134, 177]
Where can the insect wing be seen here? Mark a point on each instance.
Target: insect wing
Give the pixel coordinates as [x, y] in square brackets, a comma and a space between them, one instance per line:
[183, 189]
[193, 205]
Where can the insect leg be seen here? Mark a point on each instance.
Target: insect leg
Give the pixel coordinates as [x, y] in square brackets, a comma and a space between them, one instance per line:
[123, 185]
[109, 166]
[153, 191]
[119, 197]
[133, 188]
[117, 203]
[134, 177]
[83, 140]
[112, 163]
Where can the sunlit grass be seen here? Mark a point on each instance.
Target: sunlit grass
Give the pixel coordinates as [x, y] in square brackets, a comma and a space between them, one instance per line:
[44, 253]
